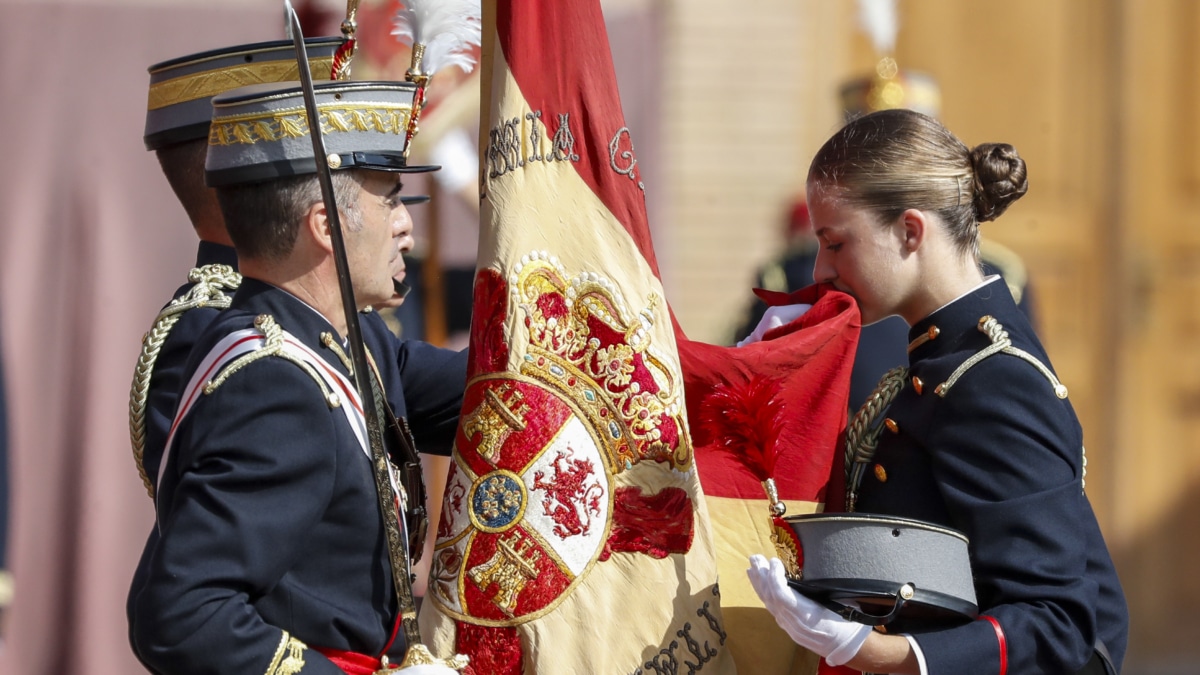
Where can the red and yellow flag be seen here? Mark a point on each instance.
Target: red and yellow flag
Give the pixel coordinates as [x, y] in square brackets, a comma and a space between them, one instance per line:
[574, 535]
[776, 409]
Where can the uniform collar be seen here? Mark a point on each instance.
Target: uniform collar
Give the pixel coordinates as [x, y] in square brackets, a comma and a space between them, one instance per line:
[949, 326]
[208, 253]
[291, 313]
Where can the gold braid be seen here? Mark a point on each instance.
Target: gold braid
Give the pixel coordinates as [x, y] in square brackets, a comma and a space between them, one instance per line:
[862, 436]
[210, 283]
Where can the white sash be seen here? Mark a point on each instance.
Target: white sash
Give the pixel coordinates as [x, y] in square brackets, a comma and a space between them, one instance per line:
[247, 340]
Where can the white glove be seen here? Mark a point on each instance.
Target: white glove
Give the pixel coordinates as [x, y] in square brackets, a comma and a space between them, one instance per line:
[431, 669]
[774, 317]
[808, 623]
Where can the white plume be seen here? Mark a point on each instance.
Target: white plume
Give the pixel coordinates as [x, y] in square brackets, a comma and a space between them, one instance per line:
[879, 20]
[447, 28]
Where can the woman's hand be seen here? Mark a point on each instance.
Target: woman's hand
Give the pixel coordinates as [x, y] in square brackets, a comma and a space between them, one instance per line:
[808, 623]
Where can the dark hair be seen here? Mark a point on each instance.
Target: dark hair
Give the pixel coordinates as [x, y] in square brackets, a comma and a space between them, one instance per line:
[183, 165]
[893, 160]
[264, 218]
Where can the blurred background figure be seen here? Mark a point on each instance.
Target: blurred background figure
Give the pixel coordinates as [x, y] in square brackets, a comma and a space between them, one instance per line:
[790, 271]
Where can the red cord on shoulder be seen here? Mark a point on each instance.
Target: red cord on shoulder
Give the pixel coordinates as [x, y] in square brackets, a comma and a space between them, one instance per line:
[1003, 642]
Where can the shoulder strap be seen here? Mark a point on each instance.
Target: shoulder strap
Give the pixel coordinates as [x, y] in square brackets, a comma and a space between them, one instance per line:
[1001, 344]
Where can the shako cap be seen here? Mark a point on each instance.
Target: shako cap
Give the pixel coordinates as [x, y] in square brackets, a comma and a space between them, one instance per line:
[260, 132]
[178, 106]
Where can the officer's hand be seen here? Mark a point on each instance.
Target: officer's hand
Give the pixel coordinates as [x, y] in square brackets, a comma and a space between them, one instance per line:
[808, 623]
[433, 669]
[774, 317]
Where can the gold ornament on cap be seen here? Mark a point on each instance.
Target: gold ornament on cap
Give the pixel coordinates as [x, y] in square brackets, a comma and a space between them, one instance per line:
[345, 53]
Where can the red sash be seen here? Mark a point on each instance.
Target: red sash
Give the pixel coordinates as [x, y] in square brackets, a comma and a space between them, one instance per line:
[352, 663]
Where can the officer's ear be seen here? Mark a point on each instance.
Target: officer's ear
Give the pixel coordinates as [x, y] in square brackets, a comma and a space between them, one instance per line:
[317, 225]
[913, 227]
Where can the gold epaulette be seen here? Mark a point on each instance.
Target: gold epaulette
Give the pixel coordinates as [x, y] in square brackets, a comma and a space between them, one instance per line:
[211, 282]
[1010, 264]
[1001, 344]
[272, 346]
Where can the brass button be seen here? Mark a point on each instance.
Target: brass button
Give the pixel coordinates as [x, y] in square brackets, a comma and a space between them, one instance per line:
[334, 160]
[918, 385]
[934, 331]
[880, 473]
[891, 425]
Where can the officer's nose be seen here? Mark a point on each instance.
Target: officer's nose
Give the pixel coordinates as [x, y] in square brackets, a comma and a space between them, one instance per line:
[402, 229]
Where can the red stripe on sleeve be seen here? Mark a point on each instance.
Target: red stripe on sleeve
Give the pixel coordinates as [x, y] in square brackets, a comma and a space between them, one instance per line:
[1003, 642]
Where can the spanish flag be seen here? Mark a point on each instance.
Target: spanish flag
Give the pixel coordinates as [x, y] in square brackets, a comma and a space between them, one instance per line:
[574, 535]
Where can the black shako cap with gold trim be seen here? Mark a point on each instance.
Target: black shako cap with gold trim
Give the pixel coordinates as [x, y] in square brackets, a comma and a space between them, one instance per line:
[179, 107]
[260, 133]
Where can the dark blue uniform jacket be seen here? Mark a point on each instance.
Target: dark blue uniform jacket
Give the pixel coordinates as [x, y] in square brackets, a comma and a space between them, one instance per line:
[1000, 458]
[267, 511]
[166, 380]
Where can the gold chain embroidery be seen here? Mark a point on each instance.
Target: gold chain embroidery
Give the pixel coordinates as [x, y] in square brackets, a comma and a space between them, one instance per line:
[248, 129]
[211, 282]
[212, 82]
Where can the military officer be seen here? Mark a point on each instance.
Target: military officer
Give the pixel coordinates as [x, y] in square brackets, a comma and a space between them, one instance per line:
[273, 555]
[177, 121]
[977, 433]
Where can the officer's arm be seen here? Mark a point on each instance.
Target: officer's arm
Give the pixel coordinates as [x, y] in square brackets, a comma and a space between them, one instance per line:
[1006, 454]
[246, 481]
[434, 380]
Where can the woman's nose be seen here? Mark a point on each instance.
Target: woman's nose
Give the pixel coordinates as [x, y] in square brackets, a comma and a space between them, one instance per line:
[823, 271]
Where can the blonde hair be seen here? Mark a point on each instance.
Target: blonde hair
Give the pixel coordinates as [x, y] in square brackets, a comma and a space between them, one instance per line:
[893, 160]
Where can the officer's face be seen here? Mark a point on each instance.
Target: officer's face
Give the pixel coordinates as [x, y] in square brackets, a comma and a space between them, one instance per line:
[858, 255]
[374, 249]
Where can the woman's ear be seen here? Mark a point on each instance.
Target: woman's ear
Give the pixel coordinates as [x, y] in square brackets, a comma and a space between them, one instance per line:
[914, 226]
[317, 226]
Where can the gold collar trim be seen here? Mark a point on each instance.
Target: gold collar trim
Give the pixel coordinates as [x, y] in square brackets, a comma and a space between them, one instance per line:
[928, 335]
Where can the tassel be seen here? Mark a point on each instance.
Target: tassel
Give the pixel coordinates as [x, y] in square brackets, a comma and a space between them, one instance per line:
[744, 420]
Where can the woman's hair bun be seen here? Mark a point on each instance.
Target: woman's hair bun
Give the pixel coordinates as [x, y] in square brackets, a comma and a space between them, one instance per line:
[999, 179]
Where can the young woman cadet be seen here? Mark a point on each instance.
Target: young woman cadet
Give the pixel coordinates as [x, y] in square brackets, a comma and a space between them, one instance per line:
[980, 436]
